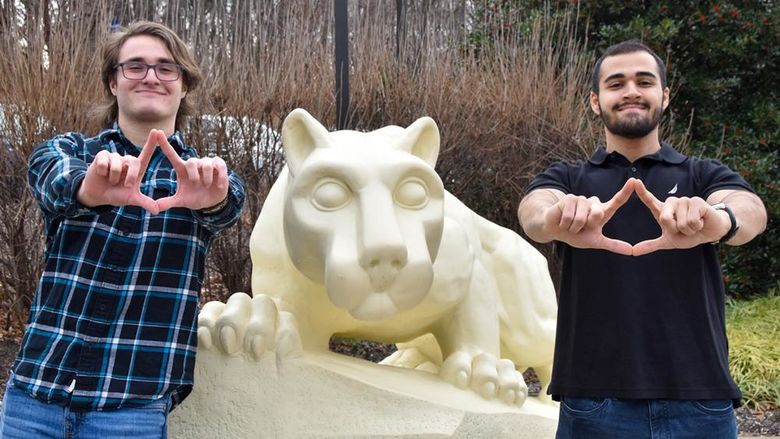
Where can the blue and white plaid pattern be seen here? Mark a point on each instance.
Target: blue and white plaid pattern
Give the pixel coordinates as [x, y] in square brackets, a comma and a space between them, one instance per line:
[113, 321]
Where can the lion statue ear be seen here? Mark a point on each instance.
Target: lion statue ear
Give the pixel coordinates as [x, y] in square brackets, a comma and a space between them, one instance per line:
[422, 140]
[301, 134]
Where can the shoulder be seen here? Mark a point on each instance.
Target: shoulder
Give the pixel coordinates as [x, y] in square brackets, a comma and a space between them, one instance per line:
[712, 175]
[70, 141]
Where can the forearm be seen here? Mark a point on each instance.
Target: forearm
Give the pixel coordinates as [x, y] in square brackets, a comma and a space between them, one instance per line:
[55, 174]
[531, 212]
[749, 211]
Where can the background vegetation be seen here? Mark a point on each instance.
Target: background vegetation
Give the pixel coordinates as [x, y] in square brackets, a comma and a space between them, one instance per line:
[506, 80]
[723, 59]
[502, 110]
[753, 328]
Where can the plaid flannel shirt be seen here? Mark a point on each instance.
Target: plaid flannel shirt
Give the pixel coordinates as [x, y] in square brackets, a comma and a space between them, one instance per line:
[114, 318]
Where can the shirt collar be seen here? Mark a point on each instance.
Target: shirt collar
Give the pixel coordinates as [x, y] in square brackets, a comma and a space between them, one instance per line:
[115, 134]
[667, 154]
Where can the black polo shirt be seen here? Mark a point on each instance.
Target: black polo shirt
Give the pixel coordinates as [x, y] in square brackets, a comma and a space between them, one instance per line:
[645, 327]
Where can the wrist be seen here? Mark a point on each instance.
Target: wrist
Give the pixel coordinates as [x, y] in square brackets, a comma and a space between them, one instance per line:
[84, 198]
[217, 207]
[724, 210]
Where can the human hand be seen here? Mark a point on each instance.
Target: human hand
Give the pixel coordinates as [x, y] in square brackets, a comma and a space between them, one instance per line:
[114, 179]
[578, 221]
[201, 182]
[685, 222]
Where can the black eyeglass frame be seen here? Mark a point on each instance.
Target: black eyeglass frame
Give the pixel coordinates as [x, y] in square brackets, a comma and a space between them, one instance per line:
[121, 67]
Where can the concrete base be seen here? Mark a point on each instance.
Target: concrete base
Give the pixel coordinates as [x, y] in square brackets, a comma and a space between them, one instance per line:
[332, 395]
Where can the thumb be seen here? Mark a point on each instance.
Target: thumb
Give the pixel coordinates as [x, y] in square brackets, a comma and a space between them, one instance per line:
[647, 247]
[166, 203]
[145, 202]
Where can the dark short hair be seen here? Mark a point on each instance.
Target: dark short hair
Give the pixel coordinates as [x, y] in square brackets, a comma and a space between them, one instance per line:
[630, 46]
[107, 113]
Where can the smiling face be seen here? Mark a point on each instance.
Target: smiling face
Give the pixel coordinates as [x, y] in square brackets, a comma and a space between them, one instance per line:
[631, 98]
[148, 100]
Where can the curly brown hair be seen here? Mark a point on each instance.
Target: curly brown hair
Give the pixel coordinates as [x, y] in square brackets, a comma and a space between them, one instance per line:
[107, 113]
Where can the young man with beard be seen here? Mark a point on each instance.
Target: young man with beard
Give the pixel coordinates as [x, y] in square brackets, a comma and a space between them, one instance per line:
[641, 347]
[109, 347]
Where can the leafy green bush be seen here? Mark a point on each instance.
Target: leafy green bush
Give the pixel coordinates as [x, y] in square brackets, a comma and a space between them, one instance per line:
[753, 328]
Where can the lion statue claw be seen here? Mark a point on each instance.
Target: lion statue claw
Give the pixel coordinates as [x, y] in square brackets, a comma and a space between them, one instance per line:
[358, 238]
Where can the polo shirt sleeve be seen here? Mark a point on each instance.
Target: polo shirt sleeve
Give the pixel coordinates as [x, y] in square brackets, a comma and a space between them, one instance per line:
[557, 176]
[713, 176]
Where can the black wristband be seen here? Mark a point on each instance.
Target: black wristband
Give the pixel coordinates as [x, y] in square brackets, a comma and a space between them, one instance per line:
[734, 226]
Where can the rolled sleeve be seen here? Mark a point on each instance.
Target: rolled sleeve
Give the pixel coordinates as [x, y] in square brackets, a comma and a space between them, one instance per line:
[228, 215]
[56, 169]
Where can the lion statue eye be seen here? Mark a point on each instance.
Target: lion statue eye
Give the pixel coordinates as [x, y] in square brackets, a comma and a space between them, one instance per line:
[331, 195]
[412, 194]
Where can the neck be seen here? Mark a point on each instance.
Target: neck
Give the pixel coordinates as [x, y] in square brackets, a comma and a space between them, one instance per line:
[633, 149]
[138, 132]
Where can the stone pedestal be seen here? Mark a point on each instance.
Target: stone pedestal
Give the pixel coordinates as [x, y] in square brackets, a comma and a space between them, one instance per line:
[331, 395]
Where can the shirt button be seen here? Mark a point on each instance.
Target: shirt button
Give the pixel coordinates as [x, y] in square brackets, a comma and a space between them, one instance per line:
[633, 169]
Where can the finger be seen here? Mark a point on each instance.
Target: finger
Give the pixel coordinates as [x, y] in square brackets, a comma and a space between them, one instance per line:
[620, 198]
[221, 174]
[649, 246]
[115, 169]
[133, 168]
[681, 218]
[206, 172]
[616, 246]
[192, 169]
[667, 218]
[148, 150]
[568, 210]
[596, 212]
[101, 163]
[648, 198]
[166, 203]
[581, 215]
[169, 152]
[147, 203]
[697, 212]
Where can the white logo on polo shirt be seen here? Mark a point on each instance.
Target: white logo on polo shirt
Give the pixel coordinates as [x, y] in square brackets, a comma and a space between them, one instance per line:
[673, 190]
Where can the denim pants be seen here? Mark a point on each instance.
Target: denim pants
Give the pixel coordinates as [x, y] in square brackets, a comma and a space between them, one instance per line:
[604, 418]
[24, 417]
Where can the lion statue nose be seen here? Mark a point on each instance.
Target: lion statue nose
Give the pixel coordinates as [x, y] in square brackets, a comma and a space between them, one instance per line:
[382, 263]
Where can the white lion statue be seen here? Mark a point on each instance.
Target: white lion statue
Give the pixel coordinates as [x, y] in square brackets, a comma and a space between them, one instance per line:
[358, 238]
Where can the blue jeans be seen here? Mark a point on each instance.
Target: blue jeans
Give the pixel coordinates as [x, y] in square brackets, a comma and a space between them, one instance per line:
[24, 417]
[604, 418]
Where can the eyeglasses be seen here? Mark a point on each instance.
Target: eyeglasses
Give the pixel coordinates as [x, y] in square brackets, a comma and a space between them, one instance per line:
[135, 70]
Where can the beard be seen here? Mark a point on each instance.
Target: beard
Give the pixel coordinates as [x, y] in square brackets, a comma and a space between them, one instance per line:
[633, 126]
